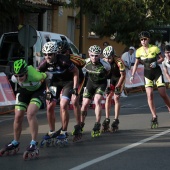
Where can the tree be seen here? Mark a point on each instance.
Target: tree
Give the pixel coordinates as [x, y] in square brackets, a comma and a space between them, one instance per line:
[126, 18]
[10, 9]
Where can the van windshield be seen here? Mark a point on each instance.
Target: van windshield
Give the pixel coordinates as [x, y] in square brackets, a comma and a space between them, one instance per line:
[10, 49]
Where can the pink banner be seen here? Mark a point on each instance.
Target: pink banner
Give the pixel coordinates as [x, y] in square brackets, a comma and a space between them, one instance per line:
[139, 77]
[7, 96]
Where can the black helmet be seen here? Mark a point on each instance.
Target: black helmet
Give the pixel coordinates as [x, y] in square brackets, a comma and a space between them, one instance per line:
[144, 34]
[167, 48]
[63, 46]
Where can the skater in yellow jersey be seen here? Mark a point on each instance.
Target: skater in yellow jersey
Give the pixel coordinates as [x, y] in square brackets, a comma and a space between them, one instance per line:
[152, 73]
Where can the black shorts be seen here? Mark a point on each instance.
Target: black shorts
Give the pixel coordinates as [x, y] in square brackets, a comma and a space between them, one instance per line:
[93, 88]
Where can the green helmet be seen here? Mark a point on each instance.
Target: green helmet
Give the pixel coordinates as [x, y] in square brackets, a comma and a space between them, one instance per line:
[20, 67]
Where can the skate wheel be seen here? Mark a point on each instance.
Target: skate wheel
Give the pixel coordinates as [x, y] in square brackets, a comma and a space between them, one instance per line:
[2, 152]
[114, 129]
[15, 151]
[25, 155]
[77, 138]
[72, 133]
[48, 143]
[42, 143]
[37, 153]
[154, 126]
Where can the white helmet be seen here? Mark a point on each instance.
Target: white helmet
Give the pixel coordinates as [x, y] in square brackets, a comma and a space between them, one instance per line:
[95, 50]
[108, 51]
[49, 47]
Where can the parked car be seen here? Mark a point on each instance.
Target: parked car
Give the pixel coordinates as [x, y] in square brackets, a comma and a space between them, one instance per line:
[11, 49]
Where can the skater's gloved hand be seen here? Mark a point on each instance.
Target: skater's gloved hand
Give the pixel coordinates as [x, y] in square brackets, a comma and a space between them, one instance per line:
[117, 91]
[153, 64]
[49, 96]
[131, 79]
[74, 91]
[107, 91]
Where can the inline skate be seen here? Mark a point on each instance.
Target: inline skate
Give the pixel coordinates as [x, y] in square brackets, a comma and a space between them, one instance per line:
[81, 126]
[105, 125]
[62, 139]
[31, 152]
[77, 133]
[50, 138]
[154, 123]
[114, 125]
[9, 149]
[96, 130]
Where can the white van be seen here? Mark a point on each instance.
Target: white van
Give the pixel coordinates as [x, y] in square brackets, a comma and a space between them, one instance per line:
[10, 48]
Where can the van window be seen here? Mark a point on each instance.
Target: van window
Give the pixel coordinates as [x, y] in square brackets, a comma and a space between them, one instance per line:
[74, 49]
[38, 48]
[55, 40]
[11, 49]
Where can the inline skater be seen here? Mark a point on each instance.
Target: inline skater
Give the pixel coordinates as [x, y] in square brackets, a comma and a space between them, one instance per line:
[97, 70]
[64, 48]
[116, 81]
[152, 73]
[65, 79]
[29, 99]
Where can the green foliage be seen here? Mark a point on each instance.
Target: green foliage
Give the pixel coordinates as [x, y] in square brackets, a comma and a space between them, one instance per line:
[126, 18]
[9, 9]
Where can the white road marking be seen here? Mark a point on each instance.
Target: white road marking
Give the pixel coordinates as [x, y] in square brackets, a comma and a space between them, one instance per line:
[84, 165]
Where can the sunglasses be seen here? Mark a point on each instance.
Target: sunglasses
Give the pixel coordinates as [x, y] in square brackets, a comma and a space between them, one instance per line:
[94, 55]
[49, 54]
[19, 75]
[143, 39]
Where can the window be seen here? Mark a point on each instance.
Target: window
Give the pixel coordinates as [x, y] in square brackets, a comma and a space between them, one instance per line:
[93, 19]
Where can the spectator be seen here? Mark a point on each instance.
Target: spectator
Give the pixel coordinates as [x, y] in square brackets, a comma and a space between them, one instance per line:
[129, 57]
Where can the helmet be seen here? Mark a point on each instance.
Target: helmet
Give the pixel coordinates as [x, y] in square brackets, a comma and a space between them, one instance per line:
[167, 48]
[145, 34]
[63, 46]
[108, 51]
[49, 47]
[95, 49]
[20, 67]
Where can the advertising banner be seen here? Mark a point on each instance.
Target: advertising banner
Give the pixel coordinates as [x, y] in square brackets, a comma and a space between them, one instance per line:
[7, 96]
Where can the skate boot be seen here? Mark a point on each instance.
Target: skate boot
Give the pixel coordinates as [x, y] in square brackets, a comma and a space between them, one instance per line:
[49, 138]
[10, 149]
[154, 123]
[62, 139]
[96, 130]
[114, 126]
[31, 152]
[82, 126]
[105, 125]
[77, 133]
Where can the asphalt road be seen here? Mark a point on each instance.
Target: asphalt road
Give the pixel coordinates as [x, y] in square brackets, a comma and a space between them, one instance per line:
[134, 147]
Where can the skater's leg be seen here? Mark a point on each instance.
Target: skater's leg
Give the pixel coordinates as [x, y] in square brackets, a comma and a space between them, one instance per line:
[32, 120]
[98, 109]
[165, 97]
[51, 114]
[108, 104]
[149, 92]
[117, 105]
[17, 125]
[84, 108]
[76, 108]
[64, 113]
